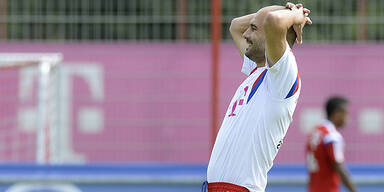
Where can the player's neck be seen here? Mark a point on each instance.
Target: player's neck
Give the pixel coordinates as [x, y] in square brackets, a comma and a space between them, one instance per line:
[334, 122]
[260, 62]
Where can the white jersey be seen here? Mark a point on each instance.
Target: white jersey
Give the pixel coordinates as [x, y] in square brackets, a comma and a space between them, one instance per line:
[336, 139]
[255, 124]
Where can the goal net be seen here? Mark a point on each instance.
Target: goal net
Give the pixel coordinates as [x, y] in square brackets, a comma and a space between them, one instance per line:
[28, 106]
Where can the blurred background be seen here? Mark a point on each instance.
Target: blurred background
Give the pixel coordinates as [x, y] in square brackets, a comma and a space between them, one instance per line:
[139, 87]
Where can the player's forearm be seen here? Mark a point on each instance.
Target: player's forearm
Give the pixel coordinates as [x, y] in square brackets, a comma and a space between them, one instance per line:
[347, 182]
[240, 24]
[283, 19]
[345, 178]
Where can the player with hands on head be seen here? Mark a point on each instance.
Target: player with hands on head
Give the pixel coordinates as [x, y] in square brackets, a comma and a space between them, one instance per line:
[261, 110]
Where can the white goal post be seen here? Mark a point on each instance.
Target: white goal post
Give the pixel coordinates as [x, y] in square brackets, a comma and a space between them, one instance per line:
[45, 121]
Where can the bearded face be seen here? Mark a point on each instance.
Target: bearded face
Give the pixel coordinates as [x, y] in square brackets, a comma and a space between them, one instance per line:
[254, 36]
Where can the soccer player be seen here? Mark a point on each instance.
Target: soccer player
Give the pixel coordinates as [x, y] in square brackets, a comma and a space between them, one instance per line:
[325, 150]
[261, 110]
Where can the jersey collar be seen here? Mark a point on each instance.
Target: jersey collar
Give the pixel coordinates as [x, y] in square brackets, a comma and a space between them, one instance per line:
[329, 125]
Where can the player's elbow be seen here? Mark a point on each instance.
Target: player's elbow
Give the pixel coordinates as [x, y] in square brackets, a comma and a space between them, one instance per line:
[234, 27]
[272, 21]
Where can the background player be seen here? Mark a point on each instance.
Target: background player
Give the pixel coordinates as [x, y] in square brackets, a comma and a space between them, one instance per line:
[325, 150]
[261, 110]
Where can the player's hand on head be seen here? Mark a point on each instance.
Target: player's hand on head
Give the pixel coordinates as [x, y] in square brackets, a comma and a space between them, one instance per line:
[300, 8]
[290, 5]
[306, 20]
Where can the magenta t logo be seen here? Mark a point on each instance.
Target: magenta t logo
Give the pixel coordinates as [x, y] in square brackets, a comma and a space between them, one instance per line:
[241, 102]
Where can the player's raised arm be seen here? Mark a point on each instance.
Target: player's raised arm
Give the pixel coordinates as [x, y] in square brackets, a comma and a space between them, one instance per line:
[238, 26]
[276, 25]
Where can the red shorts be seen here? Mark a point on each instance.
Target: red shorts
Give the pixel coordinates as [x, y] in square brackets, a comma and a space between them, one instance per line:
[225, 187]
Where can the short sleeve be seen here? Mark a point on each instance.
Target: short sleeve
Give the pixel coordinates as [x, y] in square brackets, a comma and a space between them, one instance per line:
[248, 66]
[283, 78]
[334, 148]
